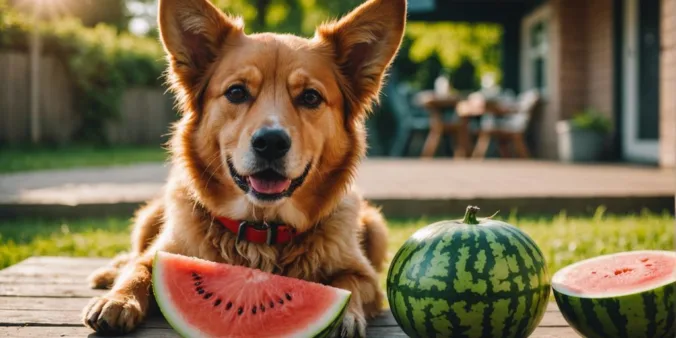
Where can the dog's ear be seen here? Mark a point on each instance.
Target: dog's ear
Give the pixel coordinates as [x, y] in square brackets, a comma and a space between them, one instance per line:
[364, 43]
[192, 33]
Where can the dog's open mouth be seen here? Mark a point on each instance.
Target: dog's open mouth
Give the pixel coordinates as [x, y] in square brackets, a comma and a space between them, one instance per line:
[268, 184]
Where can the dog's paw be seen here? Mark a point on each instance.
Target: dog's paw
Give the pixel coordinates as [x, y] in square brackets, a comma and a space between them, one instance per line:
[353, 325]
[112, 314]
[102, 278]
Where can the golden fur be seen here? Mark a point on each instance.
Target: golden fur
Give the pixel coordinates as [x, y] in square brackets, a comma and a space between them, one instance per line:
[342, 240]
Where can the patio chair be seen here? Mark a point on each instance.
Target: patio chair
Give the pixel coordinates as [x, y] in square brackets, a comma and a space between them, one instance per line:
[410, 118]
[509, 129]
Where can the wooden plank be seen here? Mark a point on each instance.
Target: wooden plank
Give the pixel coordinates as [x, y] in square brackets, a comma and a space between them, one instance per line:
[22, 318]
[81, 331]
[70, 315]
[43, 279]
[75, 304]
[46, 290]
[43, 304]
[60, 318]
[32, 305]
[81, 262]
[72, 332]
[45, 271]
[555, 332]
[48, 266]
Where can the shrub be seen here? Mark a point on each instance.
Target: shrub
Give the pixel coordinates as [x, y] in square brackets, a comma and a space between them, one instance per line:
[101, 61]
[590, 119]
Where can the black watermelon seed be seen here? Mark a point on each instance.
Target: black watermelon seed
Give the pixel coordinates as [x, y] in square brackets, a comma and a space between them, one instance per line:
[272, 304]
[200, 290]
[288, 296]
[208, 295]
[198, 283]
[280, 301]
[240, 311]
[217, 302]
[262, 308]
[228, 306]
[254, 309]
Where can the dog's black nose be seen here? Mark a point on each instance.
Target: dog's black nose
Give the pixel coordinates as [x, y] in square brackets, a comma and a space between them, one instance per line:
[271, 144]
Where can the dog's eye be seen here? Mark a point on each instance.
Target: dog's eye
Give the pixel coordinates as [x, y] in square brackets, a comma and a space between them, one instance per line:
[237, 94]
[310, 98]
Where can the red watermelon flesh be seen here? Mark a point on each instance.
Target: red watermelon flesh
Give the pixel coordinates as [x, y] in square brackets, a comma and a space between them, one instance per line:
[617, 274]
[206, 299]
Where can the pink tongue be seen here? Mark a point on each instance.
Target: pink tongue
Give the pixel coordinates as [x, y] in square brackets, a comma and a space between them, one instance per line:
[269, 186]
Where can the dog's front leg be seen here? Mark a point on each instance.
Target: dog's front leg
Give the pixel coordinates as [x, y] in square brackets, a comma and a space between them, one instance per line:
[366, 300]
[122, 308]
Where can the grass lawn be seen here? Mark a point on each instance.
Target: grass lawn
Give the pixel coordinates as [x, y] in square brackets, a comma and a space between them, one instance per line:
[28, 159]
[563, 240]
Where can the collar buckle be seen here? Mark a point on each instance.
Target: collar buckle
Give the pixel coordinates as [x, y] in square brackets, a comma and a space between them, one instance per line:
[270, 229]
[241, 231]
[271, 236]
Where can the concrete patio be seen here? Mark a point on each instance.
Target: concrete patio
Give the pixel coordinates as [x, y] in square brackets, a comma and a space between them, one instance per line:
[403, 188]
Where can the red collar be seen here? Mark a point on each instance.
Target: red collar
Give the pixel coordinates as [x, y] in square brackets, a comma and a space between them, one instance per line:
[265, 233]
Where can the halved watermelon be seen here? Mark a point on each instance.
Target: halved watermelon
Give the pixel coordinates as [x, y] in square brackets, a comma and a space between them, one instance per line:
[630, 294]
[200, 298]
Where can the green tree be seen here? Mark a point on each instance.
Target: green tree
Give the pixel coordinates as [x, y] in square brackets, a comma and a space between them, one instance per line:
[458, 45]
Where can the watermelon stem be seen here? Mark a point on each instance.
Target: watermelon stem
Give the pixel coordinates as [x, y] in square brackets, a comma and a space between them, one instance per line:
[470, 215]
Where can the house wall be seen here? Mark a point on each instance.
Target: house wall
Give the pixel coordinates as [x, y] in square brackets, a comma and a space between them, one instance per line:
[581, 72]
[668, 85]
[573, 60]
[599, 56]
[581, 65]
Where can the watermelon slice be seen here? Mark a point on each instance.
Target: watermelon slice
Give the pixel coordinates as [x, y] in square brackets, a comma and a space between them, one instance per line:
[628, 294]
[205, 299]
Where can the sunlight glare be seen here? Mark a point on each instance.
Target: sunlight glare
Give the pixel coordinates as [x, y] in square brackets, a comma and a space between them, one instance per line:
[48, 8]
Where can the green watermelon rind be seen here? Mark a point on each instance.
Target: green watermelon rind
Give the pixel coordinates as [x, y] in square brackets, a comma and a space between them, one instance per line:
[646, 312]
[184, 330]
[457, 236]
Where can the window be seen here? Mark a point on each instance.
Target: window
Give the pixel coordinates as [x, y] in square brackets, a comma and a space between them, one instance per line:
[538, 55]
[535, 51]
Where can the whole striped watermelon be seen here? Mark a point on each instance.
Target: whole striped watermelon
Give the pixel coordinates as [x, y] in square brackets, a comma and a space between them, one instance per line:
[468, 278]
[622, 295]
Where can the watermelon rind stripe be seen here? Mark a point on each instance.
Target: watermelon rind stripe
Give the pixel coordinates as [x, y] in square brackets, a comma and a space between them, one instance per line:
[321, 328]
[332, 317]
[607, 317]
[336, 323]
[425, 303]
[526, 327]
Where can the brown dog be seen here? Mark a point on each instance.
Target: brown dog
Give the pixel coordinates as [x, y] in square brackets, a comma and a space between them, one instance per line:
[270, 137]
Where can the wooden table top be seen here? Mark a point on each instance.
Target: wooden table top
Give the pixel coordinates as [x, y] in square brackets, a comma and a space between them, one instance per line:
[430, 100]
[43, 297]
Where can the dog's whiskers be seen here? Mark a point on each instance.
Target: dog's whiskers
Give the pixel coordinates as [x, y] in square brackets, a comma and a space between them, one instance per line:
[214, 158]
[220, 166]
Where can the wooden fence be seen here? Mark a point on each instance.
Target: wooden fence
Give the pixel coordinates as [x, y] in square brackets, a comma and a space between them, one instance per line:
[145, 116]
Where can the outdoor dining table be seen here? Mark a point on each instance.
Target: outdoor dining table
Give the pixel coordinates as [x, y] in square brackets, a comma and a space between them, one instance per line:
[474, 106]
[435, 105]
